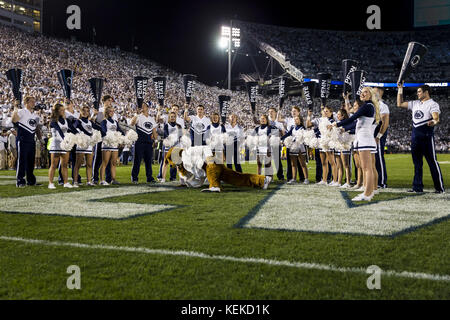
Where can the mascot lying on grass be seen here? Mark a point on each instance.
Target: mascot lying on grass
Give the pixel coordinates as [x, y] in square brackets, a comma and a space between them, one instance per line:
[197, 165]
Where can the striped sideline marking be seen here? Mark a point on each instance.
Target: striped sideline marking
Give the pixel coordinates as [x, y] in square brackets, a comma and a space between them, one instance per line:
[298, 265]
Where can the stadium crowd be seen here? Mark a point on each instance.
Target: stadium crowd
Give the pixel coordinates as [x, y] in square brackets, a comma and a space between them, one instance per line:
[40, 57]
[310, 51]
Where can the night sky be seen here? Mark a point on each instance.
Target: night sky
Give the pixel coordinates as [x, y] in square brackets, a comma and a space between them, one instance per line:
[183, 35]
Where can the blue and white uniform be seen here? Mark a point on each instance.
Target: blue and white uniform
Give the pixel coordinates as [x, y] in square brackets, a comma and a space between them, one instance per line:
[422, 143]
[317, 125]
[198, 130]
[350, 128]
[87, 127]
[292, 132]
[110, 125]
[143, 148]
[26, 146]
[215, 129]
[261, 131]
[59, 129]
[380, 163]
[365, 127]
[232, 150]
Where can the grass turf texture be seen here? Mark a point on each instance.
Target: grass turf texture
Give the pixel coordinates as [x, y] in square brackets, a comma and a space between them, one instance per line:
[205, 223]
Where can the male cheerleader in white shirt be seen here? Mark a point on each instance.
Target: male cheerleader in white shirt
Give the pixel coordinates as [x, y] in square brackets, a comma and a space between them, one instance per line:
[425, 116]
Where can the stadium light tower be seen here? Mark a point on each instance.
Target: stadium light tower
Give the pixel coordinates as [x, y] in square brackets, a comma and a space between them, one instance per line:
[231, 38]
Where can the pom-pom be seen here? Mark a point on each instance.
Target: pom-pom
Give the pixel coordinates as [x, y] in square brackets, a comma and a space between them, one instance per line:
[95, 138]
[274, 141]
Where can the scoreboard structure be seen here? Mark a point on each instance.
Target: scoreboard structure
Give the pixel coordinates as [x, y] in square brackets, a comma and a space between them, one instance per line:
[23, 14]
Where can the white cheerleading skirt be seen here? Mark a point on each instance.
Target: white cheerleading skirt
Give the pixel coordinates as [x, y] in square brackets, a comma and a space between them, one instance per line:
[105, 147]
[87, 150]
[365, 141]
[55, 146]
[297, 151]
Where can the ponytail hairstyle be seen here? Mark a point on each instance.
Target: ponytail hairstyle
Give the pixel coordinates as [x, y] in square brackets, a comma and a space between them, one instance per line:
[55, 111]
[376, 102]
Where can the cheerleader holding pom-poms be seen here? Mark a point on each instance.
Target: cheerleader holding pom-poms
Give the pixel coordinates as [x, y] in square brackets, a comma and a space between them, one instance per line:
[263, 156]
[326, 154]
[59, 148]
[86, 126]
[111, 133]
[367, 115]
[293, 140]
[342, 157]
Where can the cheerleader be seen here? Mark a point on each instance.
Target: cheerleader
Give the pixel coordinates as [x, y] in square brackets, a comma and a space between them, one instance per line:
[358, 170]
[162, 120]
[59, 127]
[85, 125]
[232, 150]
[214, 129]
[367, 115]
[263, 155]
[290, 123]
[174, 129]
[297, 153]
[143, 148]
[343, 157]
[326, 156]
[110, 154]
[199, 123]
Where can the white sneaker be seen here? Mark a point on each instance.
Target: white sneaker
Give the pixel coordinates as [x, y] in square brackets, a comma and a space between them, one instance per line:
[333, 184]
[51, 186]
[306, 181]
[361, 189]
[213, 189]
[321, 182]
[104, 183]
[362, 197]
[355, 187]
[90, 184]
[377, 191]
[164, 181]
[292, 181]
[267, 181]
[75, 185]
[345, 186]
[68, 185]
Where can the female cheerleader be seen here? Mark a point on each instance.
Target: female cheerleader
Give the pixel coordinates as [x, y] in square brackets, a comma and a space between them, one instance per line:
[85, 125]
[263, 155]
[215, 128]
[365, 142]
[297, 153]
[358, 170]
[326, 156]
[343, 157]
[170, 128]
[232, 150]
[109, 153]
[59, 127]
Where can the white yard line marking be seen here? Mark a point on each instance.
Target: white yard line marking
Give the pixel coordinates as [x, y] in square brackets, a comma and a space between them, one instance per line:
[282, 263]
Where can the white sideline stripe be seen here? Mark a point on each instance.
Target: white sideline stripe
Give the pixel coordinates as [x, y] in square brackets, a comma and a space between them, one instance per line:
[298, 265]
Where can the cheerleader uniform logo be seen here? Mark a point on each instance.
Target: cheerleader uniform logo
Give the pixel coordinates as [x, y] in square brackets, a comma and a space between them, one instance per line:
[32, 123]
[418, 115]
[148, 125]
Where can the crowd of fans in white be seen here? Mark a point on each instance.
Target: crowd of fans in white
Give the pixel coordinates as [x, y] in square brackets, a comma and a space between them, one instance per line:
[380, 53]
[41, 57]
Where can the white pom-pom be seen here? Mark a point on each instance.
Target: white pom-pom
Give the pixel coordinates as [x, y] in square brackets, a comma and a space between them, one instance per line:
[68, 142]
[95, 138]
[185, 142]
[288, 142]
[274, 141]
[82, 141]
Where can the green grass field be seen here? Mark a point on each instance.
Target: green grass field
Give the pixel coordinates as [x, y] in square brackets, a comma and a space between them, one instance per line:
[207, 223]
